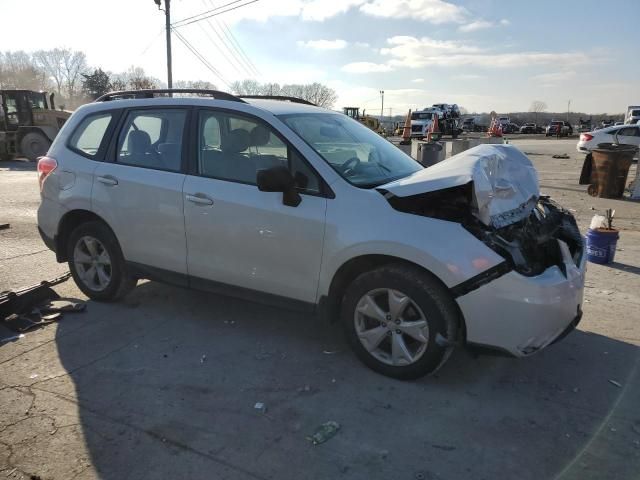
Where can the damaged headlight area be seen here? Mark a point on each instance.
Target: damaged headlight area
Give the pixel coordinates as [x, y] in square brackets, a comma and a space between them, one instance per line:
[529, 245]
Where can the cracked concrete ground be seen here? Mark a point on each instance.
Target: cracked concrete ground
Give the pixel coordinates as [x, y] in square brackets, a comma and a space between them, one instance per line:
[163, 384]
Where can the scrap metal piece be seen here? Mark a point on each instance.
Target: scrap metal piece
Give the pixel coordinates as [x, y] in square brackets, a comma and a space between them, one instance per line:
[24, 299]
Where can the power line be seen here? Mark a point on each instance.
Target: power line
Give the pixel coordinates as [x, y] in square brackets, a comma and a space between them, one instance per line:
[236, 45]
[200, 57]
[209, 11]
[224, 54]
[184, 22]
[234, 58]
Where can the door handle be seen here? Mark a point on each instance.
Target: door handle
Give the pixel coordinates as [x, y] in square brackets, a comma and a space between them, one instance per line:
[108, 180]
[199, 199]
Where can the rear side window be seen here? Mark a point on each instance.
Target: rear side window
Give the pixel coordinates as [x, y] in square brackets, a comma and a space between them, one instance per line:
[88, 136]
[152, 139]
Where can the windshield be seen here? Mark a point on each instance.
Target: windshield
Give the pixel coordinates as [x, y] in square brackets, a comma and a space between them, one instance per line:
[421, 116]
[359, 155]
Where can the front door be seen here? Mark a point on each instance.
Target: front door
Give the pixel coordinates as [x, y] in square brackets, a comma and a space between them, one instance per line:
[239, 236]
[139, 192]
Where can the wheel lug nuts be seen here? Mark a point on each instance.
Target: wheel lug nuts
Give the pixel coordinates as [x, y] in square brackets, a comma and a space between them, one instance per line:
[398, 332]
[384, 325]
[397, 322]
[389, 333]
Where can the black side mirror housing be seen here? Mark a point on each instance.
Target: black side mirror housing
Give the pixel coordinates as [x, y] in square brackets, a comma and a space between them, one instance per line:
[279, 179]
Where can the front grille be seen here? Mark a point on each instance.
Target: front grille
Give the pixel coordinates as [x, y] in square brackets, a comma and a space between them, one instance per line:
[416, 128]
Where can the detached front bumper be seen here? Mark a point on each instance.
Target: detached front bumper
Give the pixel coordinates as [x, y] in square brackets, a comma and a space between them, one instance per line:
[521, 315]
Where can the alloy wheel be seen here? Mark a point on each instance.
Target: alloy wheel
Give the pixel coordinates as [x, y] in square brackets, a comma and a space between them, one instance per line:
[391, 327]
[92, 263]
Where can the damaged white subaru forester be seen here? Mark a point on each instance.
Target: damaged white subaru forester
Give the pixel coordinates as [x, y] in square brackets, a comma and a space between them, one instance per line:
[276, 200]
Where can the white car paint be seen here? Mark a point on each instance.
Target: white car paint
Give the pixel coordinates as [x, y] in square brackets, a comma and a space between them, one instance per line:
[248, 239]
[627, 134]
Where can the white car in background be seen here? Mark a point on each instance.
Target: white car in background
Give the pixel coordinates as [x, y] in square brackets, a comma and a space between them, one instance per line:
[627, 134]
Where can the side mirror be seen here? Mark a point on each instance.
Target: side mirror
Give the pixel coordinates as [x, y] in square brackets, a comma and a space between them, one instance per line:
[279, 179]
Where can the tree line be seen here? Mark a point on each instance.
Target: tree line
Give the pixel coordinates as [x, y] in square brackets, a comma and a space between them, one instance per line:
[68, 73]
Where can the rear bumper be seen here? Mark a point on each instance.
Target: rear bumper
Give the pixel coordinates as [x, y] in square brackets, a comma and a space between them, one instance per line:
[50, 242]
[521, 315]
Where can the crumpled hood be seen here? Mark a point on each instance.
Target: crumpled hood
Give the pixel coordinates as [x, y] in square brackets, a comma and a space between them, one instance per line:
[505, 182]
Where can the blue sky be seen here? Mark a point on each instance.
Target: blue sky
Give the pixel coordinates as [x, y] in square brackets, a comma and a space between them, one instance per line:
[482, 54]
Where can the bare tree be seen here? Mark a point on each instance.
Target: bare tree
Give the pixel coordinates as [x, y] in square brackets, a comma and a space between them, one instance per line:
[319, 94]
[138, 80]
[197, 84]
[246, 87]
[537, 106]
[73, 64]
[17, 70]
[51, 62]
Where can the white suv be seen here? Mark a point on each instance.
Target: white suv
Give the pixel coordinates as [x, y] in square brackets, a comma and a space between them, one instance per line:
[279, 201]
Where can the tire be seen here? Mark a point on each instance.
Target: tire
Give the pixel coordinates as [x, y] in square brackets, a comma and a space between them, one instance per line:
[428, 303]
[34, 145]
[118, 282]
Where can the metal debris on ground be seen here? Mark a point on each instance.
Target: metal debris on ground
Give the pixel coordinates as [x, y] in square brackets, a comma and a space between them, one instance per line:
[203, 358]
[5, 226]
[324, 432]
[564, 155]
[12, 339]
[261, 407]
[617, 384]
[330, 352]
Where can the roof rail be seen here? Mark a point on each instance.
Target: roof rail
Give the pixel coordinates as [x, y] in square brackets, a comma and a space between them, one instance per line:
[153, 93]
[284, 98]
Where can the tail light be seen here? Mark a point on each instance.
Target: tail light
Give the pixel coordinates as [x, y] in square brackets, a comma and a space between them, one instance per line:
[46, 165]
[585, 137]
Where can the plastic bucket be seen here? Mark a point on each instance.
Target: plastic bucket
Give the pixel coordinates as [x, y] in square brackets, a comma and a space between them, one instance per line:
[601, 245]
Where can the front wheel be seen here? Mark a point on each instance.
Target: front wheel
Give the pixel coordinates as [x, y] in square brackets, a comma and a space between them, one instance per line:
[96, 263]
[400, 321]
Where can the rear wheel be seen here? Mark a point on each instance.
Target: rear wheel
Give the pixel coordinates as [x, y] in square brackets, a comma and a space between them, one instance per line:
[400, 321]
[96, 263]
[34, 145]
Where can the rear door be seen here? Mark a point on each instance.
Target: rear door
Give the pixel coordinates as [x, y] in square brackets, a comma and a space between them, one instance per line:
[239, 236]
[138, 191]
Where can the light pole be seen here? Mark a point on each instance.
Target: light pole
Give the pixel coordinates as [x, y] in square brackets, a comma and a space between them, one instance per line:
[382, 107]
[568, 109]
[167, 17]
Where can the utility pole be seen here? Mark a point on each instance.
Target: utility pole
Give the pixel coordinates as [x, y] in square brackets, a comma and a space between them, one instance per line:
[382, 107]
[568, 109]
[167, 17]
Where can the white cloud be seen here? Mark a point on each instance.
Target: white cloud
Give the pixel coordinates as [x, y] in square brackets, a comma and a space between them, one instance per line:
[468, 76]
[362, 44]
[324, 44]
[555, 77]
[366, 67]
[434, 11]
[482, 25]
[320, 10]
[418, 80]
[414, 52]
[474, 26]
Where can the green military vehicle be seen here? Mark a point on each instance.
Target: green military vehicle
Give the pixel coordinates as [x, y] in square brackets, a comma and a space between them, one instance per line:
[28, 123]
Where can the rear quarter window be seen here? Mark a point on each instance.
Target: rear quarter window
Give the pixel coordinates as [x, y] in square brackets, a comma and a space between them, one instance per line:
[89, 134]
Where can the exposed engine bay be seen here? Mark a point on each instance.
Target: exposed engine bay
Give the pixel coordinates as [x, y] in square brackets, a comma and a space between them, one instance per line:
[530, 245]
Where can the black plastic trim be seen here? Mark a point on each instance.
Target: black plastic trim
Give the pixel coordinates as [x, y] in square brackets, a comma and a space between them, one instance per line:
[283, 98]
[481, 279]
[182, 280]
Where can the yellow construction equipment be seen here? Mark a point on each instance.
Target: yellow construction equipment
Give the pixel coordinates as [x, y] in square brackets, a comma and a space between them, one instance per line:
[367, 120]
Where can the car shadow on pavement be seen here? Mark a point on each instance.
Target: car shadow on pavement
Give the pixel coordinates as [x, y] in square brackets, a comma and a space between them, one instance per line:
[166, 384]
